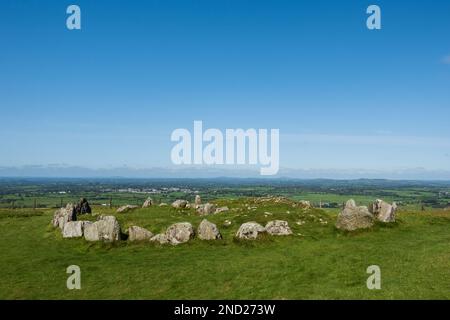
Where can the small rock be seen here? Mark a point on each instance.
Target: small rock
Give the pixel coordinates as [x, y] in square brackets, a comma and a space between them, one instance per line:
[179, 204]
[227, 223]
[126, 208]
[278, 228]
[136, 233]
[161, 238]
[208, 231]
[221, 209]
[305, 204]
[249, 230]
[207, 208]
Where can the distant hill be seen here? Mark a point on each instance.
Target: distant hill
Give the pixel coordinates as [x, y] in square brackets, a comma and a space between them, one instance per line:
[60, 171]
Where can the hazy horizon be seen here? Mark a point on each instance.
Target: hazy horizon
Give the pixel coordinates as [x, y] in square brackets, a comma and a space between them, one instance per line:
[200, 172]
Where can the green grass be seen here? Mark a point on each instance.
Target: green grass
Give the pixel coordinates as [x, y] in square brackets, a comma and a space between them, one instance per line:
[317, 262]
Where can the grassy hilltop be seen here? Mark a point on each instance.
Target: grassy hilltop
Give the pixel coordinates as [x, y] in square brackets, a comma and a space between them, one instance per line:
[316, 262]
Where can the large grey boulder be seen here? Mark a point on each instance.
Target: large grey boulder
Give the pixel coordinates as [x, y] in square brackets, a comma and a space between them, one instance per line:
[206, 209]
[353, 217]
[179, 204]
[208, 231]
[148, 203]
[179, 233]
[278, 228]
[126, 208]
[91, 232]
[383, 211]
[136, 233]
[74, 229]
[249, 231]
[64, 215]
[106, 229]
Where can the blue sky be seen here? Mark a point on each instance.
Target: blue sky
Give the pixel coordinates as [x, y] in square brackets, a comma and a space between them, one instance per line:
[110, 94]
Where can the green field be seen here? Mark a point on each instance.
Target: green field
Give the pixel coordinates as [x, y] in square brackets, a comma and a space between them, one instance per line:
[316, 262]
[43, 193]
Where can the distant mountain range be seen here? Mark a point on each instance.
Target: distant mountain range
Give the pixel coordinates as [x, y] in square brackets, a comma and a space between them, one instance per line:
[64, 171]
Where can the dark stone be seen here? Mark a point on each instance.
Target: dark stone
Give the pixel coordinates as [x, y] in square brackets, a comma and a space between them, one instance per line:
[82, 207]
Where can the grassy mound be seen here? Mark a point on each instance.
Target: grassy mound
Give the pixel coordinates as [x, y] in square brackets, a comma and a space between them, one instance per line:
[316, 262]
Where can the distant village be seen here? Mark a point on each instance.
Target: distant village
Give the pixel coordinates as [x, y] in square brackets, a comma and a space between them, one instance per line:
[143, 190]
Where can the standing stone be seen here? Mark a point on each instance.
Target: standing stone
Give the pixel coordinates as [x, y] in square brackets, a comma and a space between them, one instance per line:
[198, 200]
[91, 232]
[74, 229]
[353, 217]
[139, 234]
[64, 215]
[179, 233]
[207, 208]
[179, 204]
[126, 208]
[350, 204]
[106, 229]
[383, 211]
[208, 231]
[148, 203]
[278, 228]
[249, 230]
[83, 207]
[227, 223]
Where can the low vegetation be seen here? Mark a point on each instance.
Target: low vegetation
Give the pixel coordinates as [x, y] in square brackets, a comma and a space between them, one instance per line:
[315, 262]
